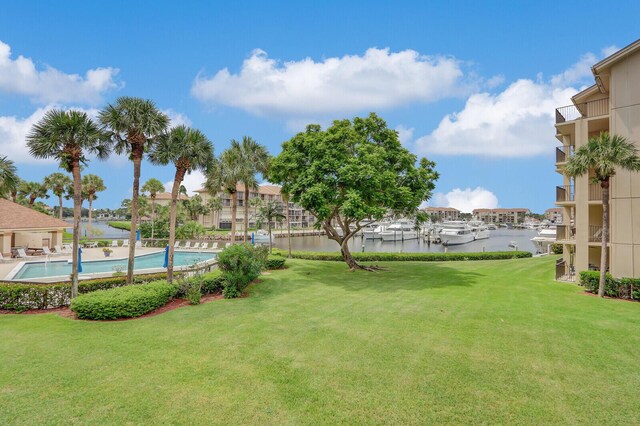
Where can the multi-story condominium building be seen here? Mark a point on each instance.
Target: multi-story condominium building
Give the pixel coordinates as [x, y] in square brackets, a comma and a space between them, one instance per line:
[442, 213]
[298, 216]
[512, 216]
[164, 198]
[612, 104]
[554, 215]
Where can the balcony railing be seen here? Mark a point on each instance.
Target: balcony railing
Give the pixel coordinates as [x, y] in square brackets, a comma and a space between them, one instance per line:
[585, 110]
[595, 192]
[563, 153]
[564, 271]
[564, 233]
[564, 193]
[595, 233]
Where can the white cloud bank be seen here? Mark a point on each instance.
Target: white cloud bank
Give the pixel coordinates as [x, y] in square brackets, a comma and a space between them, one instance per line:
[517, 122]
[49, 85]
[306, 88]
[466, 199]
[191, 182]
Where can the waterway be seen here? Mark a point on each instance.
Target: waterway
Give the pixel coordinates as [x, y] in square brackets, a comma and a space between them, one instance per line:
[104, 230]
[498, 241]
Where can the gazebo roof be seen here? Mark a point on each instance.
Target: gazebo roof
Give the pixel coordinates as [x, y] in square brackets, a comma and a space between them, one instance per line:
[15, 216]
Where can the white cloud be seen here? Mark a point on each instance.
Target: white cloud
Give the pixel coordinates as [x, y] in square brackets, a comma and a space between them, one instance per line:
[352, 83]
[466, 199]
[191, 181]
[49, 85]
[177, 118]
[405, 135]
[516, 122]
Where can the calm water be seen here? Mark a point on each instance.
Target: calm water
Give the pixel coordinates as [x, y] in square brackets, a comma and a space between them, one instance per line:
[148, 261]
[499, 241]
[107, 231]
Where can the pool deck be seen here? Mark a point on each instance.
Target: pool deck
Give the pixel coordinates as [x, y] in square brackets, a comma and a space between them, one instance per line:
[87, 254]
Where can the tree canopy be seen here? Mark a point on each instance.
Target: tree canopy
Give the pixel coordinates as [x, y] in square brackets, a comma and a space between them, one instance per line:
[351, 174]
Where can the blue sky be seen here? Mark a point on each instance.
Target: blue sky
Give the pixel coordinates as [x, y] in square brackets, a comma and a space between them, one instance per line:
[471, 85]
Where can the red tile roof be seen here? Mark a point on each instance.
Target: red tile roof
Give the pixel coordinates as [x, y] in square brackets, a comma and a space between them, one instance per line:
[15, 216]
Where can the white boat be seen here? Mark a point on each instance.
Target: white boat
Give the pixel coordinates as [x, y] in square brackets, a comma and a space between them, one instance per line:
[372, 232]
[400, 231]
[261, 236]
[479, 229]
[456, 232]
[544, 239]
[492, 227]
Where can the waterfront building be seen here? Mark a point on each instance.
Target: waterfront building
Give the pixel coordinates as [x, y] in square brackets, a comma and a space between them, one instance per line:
[439, 214]
[506, 216]
[554, 215]
[164, 198]
[611, 104]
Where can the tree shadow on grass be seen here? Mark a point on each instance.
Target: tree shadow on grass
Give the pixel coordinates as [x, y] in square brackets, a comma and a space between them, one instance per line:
[395, 276]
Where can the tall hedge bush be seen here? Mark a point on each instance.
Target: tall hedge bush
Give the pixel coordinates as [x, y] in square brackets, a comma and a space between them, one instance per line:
[421, 257]
[240, 264]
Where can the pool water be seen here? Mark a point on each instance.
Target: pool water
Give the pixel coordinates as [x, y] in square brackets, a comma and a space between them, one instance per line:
[55, 268]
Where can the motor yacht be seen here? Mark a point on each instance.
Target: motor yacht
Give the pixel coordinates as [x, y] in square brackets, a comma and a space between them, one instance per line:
[372, 232]
[400, 231]
[479, 229]
[544, 239]
[456, 232]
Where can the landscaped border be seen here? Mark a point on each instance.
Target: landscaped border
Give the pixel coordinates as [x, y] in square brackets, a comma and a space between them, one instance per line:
[398, 257]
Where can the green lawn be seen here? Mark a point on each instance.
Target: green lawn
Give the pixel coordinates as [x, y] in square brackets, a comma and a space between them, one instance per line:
[428, 343]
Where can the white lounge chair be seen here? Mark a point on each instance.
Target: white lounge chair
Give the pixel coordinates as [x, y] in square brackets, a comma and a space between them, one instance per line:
[114, 243]
[125, 243]
[48, 252]
[204, 246]
[214, 246]
[138, 243]
[195, 246]
[227, 245]
[177, 245]
[22, 254]
[187, 245]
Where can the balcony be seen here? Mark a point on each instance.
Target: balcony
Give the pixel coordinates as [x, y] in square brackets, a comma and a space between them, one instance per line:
[589, 109]
[595, 192]
[565, 233]
[595, 233]
[564, 194]
[563, 153]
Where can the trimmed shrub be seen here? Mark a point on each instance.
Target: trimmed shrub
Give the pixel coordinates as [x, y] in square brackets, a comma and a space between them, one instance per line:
[622, 288]
[275, 262]
[240, 264]
[123, 302]
[398, 257]
[17, 296]
[212, 282]
[556, 248]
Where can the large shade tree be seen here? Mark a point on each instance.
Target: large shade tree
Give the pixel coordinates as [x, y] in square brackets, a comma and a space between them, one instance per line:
[134, 126]
[254, 158]
[352, 174]
[8, 177]
[152, 187]
[188, 150]
[59, 184]
[69, 137]
[602, 155]
[91, 184]
[31, 191]
[225, 174]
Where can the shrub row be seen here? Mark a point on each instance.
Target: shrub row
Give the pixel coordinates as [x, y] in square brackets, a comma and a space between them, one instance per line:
[622, 288]
[240, 264]
[422, 257]
[123, 302]
[23, 296]
[275, 261]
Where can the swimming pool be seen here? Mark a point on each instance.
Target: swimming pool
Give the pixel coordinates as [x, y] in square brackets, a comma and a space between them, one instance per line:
[62, 268]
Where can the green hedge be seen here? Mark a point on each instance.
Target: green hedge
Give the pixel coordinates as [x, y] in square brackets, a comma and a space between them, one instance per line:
[622, 288]
[212, 282]
[123, 302]
[421, 257]
[20, 297]
[275, 262]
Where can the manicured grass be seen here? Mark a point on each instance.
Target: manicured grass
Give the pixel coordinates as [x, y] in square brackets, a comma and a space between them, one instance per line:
[453, 342]
[124, 225]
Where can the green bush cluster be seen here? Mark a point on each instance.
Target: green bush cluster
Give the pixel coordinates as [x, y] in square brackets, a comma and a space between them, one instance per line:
[275, 261]
[123, 302]
[240, 264]
[556, 248]
[622, 288]
[421, 257]
[23, 296]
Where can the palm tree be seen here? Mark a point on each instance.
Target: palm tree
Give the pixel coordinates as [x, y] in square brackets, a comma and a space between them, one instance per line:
[254, 158]
[214, 205]
[225, 173]
[133, 125]
[152, 187]
[92, 184]
[68, 136]
[8, 177]
[14, 190]
[270, 212]
[285, 199]
[188, 149]
[195, 207]
[32, 191]
[58, 183]
[602, 155]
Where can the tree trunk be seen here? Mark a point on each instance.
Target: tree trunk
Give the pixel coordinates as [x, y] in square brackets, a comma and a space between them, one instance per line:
[234, 213]
[153, 213]
[137, 160]
[90, 207]
[32, 200]
[60, 200]
[172, 221]
[347, 256]
[286, 206]
[604, 256]
[77, 210]
[246, 212]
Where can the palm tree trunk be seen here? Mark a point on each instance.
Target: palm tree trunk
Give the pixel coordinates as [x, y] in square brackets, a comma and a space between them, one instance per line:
[234, 213]
[137, 160]
[32, 200]
[60, 200]
[604, 255]
[246, 212]
[172, 221]
[77, 211]
[90, 208]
